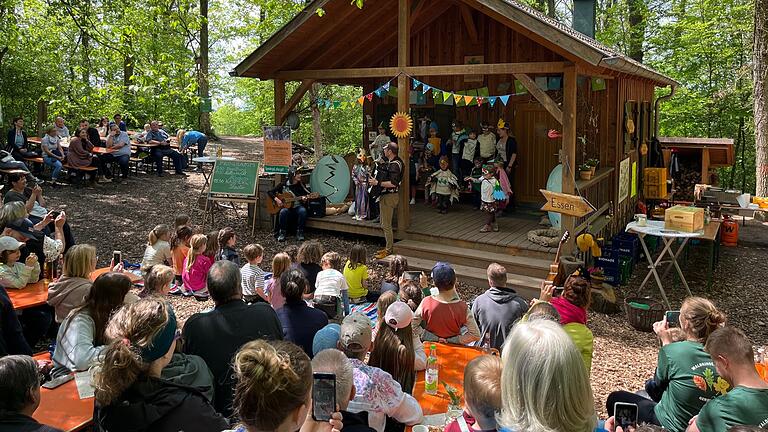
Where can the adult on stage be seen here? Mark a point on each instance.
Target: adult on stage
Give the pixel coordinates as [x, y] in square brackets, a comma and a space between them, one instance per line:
[390, 185]
[295, 186]
[506, 150]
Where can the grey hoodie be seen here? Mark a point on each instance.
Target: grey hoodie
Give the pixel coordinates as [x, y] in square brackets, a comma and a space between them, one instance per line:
[496, 310]
[66, 294]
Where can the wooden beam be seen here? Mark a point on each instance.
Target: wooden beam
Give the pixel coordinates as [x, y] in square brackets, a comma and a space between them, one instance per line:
[320, 74]
[294, 100]
[705, 165]
[279, 99]
[403, 105]
[469, 23]
[346, 48]
[487, 69]
[569, 146]
[541, 96]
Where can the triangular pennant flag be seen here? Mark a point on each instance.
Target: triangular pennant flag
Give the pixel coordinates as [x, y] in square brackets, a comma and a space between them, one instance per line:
[480, 100]
[336, 104]
[416, 83]
[386, 86]
[456, 97]
[379, 92]
[468, 99]
[425, 88]
[437, 95]
[361, 99]
[504, 99]
[344, 104]
[492, 100]
[369, 96]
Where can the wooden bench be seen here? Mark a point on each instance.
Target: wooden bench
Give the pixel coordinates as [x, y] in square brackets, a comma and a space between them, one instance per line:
[34, 159]
[80, 172]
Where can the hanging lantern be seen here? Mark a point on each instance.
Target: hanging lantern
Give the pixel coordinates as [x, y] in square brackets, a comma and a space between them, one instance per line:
[401, 125]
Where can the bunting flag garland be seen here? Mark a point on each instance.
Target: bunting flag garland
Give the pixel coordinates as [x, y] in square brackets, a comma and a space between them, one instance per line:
[492, 101]
[416, 84]
[456, 97]
[504, 99]
[425, 88]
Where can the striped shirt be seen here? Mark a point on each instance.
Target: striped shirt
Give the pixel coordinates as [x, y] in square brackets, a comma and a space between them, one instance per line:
[252, 279]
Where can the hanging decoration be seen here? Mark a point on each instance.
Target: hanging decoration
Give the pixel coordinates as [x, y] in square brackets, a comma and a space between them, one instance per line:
[401, 125]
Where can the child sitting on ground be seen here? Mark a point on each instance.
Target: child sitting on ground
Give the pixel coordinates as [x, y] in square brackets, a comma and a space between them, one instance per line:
[280, 264]
[252, 276]
[226, 240]
[331, 285]
[179, 251]
[445, 317]
[443, 187]
[182, 220]
[158, 249]
[196, 267]
[482, 395]
[14, 274]
[356, 274]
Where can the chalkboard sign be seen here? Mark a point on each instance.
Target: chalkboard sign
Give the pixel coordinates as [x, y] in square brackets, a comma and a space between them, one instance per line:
[235, 177]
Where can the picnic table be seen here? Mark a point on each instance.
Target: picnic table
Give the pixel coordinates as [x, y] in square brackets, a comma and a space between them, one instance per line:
[62, 407]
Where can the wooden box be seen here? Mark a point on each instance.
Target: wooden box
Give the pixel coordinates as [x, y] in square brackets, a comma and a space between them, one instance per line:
[655, 176]
[682, 218]
[652, 191]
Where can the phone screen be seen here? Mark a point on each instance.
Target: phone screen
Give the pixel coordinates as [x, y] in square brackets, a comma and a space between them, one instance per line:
[673, 318]
[625, 414]
[55, 214]
[558, 291]
[323, 396]
[412, 275]
[117, 258]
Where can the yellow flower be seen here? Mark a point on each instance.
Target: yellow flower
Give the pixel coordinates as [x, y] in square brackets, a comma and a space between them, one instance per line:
[721, 386]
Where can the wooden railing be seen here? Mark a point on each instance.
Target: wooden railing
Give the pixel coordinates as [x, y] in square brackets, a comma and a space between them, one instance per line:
[599, 192]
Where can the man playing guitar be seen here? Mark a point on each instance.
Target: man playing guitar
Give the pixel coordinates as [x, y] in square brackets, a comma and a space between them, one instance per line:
[292, 186]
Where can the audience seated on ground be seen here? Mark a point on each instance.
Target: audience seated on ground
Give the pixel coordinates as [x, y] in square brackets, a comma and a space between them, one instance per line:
[498, 308]
[398, 264]
[746, 402]
[684, 370]
[394, 349]
[541, 310]
[130, 394]
[300, 322]
[20, 395]
[158, 250]
[376, 392]
[15, 274]
[158, 281]
[544, 385]
[179, 244]
[216, 335]
[333, 361]
[81, 339]
[356, 275]
[12, 340]
[274, 389]
[226, 240]
[482, 395]
[252, 275]
[281, 262]
[445, 316]
[331, 290]
[309, 256]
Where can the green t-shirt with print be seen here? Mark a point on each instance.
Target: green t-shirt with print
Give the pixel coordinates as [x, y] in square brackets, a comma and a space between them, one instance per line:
[741, 406]
[691, 380]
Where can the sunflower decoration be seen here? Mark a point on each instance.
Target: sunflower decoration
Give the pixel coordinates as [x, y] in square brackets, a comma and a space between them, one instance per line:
[401, 125]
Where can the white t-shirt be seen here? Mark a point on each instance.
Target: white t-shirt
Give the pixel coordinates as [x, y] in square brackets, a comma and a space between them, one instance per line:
[330, 282]
[486, 190]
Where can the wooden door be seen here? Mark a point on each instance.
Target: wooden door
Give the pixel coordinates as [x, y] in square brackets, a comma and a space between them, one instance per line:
[536, 153]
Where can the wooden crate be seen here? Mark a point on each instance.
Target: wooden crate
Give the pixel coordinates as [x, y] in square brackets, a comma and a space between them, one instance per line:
[683, 218]
[651, 191]
[655, 176]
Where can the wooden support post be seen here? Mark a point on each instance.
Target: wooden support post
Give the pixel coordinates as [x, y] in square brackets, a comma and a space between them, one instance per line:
[705, 165]
[279, 100]
[469, 23]
[541, 96]
[569, 146]
[294, 100]
[403, 102]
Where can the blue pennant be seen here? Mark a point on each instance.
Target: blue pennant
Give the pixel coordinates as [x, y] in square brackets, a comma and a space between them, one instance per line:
[504, 99]
[492, 100]
[425, 88]
[386, 86]
[416, 83]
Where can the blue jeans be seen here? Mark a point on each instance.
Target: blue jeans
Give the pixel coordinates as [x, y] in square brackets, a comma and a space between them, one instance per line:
[301, 217]
[201, 143]
[159, 152]
[121, 160]
[456, 166]
[55, 164]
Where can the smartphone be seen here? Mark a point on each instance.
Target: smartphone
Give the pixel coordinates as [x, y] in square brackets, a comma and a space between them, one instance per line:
[323, 396]
[558, 291]
[117, 257]
[412, 275]
[55, 213]
[625, 414]
[56, 382]
[673, 318]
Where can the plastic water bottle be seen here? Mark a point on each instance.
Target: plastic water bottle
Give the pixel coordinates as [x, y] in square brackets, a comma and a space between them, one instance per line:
[430, 375]
[486, 346]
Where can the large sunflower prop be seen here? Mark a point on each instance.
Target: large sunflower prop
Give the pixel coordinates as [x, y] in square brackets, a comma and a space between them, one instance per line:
[401, 125]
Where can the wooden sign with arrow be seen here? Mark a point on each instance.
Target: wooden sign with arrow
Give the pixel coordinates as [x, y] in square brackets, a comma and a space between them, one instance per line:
[571, 205]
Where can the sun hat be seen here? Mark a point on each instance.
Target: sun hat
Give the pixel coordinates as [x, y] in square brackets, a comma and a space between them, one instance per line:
[399, 315]
[9, 244]
[327, 337]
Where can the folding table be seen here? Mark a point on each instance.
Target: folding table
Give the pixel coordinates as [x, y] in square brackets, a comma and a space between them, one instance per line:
[656, 228]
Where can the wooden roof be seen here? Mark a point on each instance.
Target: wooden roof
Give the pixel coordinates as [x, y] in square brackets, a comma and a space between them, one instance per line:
[720, 149]
[335, 40]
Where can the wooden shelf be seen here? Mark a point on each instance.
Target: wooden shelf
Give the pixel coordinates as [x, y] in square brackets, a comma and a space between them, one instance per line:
[599, 175]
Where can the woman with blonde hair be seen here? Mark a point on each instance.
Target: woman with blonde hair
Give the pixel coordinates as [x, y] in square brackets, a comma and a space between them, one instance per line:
[130, 393]
[686, 376]
[545, 386]
[274, 389]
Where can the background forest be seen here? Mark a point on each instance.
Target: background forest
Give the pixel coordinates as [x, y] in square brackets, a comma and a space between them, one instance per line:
[92, 58]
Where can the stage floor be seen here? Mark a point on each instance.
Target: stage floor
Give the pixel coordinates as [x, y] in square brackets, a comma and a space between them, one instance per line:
[459, 227]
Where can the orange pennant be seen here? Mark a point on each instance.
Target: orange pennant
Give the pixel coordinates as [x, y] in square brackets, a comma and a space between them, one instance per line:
[468, 99]
[361, 99]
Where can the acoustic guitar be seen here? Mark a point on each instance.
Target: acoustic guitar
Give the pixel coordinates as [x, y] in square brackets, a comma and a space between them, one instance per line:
[555, 266]
[288, 199]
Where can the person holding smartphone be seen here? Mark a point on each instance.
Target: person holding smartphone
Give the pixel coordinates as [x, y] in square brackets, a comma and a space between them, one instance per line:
[332, 363]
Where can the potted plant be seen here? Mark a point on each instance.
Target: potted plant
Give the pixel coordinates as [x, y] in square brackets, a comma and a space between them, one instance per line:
[454, 403]
[592, 163]
[585, 172]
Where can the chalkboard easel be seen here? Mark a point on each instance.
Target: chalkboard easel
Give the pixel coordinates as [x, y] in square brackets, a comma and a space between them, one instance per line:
[234, 181]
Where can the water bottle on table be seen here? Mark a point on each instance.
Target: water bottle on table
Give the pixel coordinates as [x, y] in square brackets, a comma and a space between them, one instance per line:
[430, 375]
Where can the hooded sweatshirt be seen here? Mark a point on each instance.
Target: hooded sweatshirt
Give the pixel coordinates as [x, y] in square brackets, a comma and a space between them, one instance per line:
[66, 294]
[496, 310]
[157, 405]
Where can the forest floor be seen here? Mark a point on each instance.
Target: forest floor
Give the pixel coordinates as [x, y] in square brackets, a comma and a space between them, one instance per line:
[118, 217]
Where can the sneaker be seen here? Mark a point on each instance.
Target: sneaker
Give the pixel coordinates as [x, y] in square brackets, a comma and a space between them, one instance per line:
[300, 235]
[495, 227]
[485, 229]
[104, 180]
[281, 236]
[187, 293]
[176, 291]
[201, 297]
[413, 201]
[382, 254]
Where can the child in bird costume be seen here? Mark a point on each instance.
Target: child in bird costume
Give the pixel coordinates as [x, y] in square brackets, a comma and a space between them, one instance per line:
[490, 193]
[443, 186]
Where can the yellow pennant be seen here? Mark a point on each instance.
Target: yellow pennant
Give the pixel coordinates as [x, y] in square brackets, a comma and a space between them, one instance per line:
[457, 98]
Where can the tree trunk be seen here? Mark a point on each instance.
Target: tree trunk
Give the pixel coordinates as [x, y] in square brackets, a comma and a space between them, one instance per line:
[760, 65]
[316, 130]
[636, 9]
[551, 8]
[205, 117]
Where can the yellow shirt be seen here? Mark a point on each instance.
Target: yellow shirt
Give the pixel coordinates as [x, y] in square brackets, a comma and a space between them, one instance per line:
[487, 144]
[355, 278]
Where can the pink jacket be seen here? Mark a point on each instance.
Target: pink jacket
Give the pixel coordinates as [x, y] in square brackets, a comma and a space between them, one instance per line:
[195, 278]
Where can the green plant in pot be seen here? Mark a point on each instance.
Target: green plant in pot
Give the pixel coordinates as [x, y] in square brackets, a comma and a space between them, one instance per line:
[585, 172]
[593, 164]
[454, 402]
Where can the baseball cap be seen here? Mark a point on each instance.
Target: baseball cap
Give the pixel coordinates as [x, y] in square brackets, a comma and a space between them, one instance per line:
[9, 244]
[326, 337]
[399, 315]
[356, 334]
[23, 226]
[443, 275]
